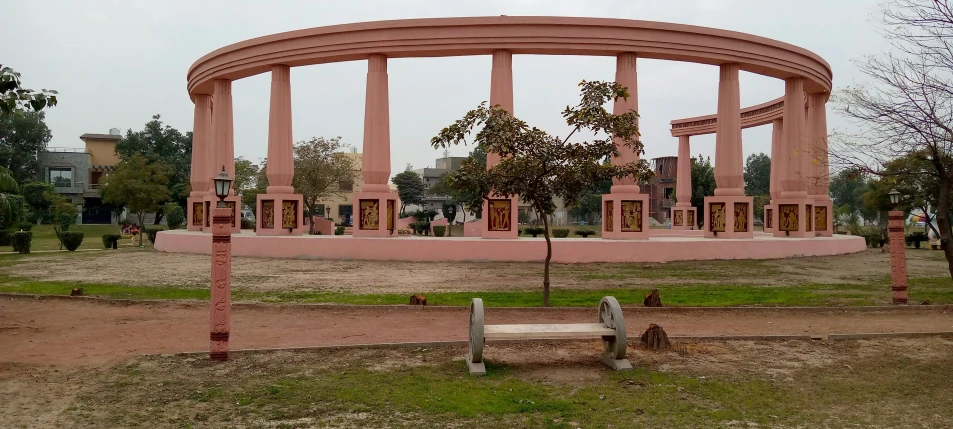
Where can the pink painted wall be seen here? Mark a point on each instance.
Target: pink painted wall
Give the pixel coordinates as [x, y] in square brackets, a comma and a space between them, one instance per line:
[322, 225]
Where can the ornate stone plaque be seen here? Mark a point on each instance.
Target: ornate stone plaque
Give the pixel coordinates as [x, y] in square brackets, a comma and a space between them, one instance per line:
[678, 219]
[741, 217]
[690, 217]
[369, 215]
[631, 216]
[267, 214]
[198, 213]
[810, 211]
[769, 218]
[787, 217]
[820, 218]
[289, 214]
[390, 214]
[607, 222]
[718, 217]
[500, 215]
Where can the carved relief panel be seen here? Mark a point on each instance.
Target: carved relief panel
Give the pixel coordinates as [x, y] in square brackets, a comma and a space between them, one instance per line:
[820, 218]
[289, 214]
[369, 215]
[741, 217]
[631, 216]
[718, 217]
[500, 215]
[607, 222]
[787, 217]
[769, 218]
[267, 214]
[198, 213]
[678, 219]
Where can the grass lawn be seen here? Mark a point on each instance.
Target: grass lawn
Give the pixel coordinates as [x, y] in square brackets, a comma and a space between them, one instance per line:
[873, 383]
[44, 237]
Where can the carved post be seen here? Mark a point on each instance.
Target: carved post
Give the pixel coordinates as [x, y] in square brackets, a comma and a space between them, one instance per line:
[898, 257]
[221, 299]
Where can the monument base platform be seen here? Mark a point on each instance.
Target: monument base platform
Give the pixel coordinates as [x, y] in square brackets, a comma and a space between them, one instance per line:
[662, 248]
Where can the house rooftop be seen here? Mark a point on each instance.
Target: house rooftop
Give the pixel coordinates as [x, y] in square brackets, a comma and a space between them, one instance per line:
[100, 136]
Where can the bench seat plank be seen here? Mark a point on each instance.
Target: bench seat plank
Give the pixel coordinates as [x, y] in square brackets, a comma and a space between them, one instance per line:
[568, 330]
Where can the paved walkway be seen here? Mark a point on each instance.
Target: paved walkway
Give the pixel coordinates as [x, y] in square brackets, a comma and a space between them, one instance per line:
[71, 332]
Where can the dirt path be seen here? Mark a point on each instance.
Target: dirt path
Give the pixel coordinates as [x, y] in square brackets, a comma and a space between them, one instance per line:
[63, 332]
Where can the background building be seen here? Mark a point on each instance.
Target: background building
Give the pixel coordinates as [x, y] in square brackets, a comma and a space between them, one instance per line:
[661, 188]
[76, 173]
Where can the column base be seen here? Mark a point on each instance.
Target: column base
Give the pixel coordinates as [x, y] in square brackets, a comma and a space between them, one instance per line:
[280, 214]
[375, 214]
[196, 211]
[792, 217]
[625, 216]
[823, 217]
[684, 218]
[500, 218]
[234, 202]
[729, 216]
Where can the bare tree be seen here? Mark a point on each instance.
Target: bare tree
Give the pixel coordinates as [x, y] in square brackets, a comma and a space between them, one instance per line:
[907, 109]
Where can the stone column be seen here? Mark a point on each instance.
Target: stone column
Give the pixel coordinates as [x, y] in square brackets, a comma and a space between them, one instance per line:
[823, 215]
[371, 214]
[625, 210]
[280, 210]
[222, 150]
[199, 178]
[729, 213]
[683, 214]
[898, 257]
[500, 215]
[221, 294]
[794, 209]
[770, 211]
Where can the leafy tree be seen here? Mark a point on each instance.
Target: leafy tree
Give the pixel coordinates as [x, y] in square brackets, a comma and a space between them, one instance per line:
[410, 188]
[758, 175]
[62, 212]
[589, 206]
[847, 189]
[139, 184]
[22, 138]
[161, 144]
[250, 180]
[320, 169]
[11, 209]
[911, 176]
[703, 185]
[15, 99]
[449, 211]
[34, 194]
[174, 215]
[906, 109]
[539, 167]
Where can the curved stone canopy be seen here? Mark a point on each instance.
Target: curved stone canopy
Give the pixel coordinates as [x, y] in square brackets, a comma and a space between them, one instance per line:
[753, 116]
[444, 37]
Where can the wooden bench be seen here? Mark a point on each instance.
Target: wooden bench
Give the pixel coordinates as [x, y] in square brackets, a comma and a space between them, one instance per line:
[610, 326]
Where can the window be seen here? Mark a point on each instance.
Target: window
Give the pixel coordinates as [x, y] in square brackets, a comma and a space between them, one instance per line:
[668, 193]
[346, 186]
[61, 177]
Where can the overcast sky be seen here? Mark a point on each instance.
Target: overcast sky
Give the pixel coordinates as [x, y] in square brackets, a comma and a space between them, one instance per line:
[116, 63]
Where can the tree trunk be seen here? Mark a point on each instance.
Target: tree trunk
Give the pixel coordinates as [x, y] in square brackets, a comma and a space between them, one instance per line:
[655, 338]
[653, 299]
[158, 219]
[943, 221]
[549, 256]
[142, 226]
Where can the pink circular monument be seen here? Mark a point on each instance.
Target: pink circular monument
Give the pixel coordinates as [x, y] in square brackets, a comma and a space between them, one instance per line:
[798, 220]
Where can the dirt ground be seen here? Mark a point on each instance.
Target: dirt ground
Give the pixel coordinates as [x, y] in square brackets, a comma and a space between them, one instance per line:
[149, 268]
[68, 331]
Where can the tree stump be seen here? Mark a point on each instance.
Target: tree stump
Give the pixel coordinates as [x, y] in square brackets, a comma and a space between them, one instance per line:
[418, 300]
[76, 292]
[653, 299]
[655, 338]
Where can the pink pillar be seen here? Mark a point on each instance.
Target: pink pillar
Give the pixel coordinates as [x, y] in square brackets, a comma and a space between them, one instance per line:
[280, 165]
[818, 164]
[501, 90]
[626, 74]
[729, 159]
[376, 162]
[683, 215]
[221, 299]
[199, 178]
[898, 257]
[793, 179]
[776, 161]
[222, 150]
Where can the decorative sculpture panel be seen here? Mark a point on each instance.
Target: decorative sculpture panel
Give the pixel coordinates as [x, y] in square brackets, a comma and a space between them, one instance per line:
[690, 218]
[631, 216]
[769, 218]
[500, 215]
[369, 215]
[268, 214]
[678, 219]
[289, 214]
[741, 217]
[820, 218]
[787, 217]
[609, 218]
[231, 209]
[198, 213]
[718, 217]
[390, 214]
[810, 211]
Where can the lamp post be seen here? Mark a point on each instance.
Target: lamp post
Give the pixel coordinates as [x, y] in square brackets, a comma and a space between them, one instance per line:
[221, 296]
[898, 257]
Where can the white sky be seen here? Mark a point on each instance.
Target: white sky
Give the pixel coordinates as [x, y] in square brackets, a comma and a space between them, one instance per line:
[116, 63]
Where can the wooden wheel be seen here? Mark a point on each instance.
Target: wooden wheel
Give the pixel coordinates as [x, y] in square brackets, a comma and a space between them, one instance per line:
[475, 353]
[610, 315]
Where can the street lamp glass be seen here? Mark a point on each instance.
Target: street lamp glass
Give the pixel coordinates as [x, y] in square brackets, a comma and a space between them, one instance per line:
[894, 196]
[222, 184]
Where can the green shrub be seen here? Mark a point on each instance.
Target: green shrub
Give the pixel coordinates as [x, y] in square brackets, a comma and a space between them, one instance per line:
[247, 224]
[71, 240]
[534, 230]
[915, 238]
[65, 220]
[152, 233]
[174, 215]
[22, 241]
[560, 232]
[439, 231]
[584, 232]
[111, 240]
[25, 226]
[339, 230]
[421, 227]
